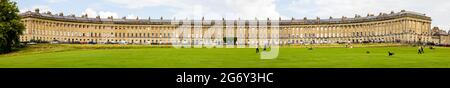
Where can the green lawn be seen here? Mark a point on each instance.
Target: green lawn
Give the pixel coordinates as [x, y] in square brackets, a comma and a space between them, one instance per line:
[66, 57]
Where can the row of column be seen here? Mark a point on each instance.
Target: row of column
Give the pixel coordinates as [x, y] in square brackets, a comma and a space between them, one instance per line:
[403, 30]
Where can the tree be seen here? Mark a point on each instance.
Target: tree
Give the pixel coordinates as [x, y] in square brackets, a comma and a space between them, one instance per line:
[11, 26]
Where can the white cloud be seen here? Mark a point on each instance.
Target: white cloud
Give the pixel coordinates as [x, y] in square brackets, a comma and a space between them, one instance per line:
[22, 10]
[249, 9]
[131, 16]
[90, 12]
[338, 8]
[103, 14]
[55, 1]
[146, 3]
[437, 9]
[214, 9]
[42, 8]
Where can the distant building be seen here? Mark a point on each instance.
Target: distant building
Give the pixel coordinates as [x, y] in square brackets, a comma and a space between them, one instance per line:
[436, 31]
[448, 31]
[440, 36]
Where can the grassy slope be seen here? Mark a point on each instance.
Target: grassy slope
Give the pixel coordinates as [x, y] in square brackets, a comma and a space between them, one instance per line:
[64, 57]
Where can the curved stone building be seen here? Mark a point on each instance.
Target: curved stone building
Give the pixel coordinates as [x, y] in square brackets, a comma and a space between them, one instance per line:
[401, 27]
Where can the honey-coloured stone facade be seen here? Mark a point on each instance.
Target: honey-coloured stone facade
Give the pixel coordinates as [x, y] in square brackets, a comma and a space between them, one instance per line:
[400, 27]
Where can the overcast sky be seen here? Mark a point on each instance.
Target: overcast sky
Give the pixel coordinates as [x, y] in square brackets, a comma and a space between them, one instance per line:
[439, 10]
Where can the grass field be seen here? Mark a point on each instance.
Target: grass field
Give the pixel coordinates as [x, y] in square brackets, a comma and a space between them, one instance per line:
[72, 56]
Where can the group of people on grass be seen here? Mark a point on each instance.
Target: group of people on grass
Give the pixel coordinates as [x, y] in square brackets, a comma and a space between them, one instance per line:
[390, 53]
[257, 49]
[420, 50]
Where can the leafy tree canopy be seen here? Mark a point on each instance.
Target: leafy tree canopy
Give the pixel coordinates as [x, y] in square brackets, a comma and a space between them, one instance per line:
[11, 26]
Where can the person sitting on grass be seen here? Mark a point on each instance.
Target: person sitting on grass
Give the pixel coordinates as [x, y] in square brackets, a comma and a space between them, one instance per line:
[257, 50]
[391, 53]
[264, 49]
[310, 48]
